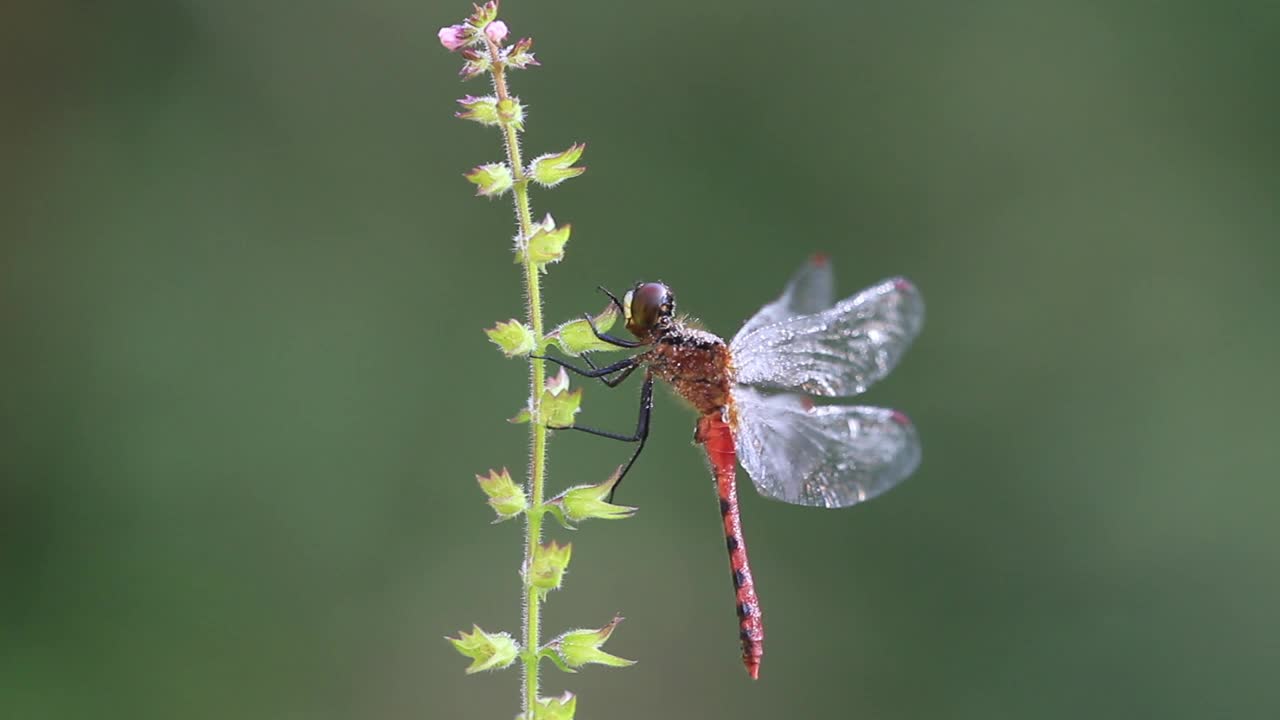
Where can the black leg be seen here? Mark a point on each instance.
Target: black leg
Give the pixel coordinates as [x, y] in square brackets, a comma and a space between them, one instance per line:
[606, 337]
[616, 302]
[594, 372]
[611, 382]
[640, 436]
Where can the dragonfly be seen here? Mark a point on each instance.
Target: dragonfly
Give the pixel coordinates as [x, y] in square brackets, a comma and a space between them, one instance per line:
[755, 397]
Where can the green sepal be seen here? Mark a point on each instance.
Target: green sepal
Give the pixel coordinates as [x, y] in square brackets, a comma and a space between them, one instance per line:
[561, 708]
[558, 513]
[559, 403]
[582, 647]
[520, 55]
[552, 169]
[547, 245]
[512, 337]
[491, 179]
[488, 651]
[510, 112]
[546, 571]
[483, 110]
[575, 337]
[556, 660]
[558, 411]
[476, 63]
[584, 502]
[483, 15]
[524, 416]
[558, 408]
[505, 497]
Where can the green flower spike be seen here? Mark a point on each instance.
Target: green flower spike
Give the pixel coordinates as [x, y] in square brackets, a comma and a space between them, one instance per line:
[575, 337]
[491, 179]
[551, 170]
[549, 563]
[480, 43]
[588, 501]
[576, 648]
[505, 497]
[489, 651]
[560, 708]
[512, 337]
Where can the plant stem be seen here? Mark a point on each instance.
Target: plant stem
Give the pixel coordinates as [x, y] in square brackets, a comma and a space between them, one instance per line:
[537, 382]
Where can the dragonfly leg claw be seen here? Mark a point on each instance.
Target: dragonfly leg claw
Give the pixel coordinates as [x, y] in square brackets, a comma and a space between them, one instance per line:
[614, 298]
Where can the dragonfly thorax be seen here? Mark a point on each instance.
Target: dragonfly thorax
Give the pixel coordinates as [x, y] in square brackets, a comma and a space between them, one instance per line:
[695, 362]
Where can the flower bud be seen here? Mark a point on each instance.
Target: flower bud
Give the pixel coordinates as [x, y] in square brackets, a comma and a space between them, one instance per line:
[546, 572]
[488, 651]
[505, 497]
[551, 170]
[491, 179]
[582, 647]
[557, 383]
[456, 37]
[496, 31]
[512, 337]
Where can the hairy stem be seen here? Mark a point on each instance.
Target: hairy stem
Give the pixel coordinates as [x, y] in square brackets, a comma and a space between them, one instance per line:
[537, 381]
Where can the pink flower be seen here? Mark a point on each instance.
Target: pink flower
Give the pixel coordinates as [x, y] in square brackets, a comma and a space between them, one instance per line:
[496, 31]
[454, 37]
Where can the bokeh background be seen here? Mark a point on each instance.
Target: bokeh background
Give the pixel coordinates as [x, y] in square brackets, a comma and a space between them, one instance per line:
[245, 391]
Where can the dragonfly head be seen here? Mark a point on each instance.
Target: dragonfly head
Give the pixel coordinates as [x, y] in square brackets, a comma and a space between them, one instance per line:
[650, 306]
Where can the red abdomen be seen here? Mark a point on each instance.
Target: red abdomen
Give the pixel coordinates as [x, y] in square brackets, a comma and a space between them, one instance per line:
[716, 436]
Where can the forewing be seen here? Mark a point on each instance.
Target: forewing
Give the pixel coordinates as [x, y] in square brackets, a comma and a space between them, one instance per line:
[824, 456]
[811, 290]
[841, 351]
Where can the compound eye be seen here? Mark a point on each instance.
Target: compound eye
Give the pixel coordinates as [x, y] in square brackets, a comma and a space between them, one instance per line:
[650, 302]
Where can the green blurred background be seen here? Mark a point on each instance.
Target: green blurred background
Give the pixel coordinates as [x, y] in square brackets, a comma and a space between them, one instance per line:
[245, 390]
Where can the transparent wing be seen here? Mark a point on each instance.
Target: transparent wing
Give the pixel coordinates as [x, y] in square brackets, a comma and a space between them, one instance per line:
[825, 456]
[841, 351]
[811, 290]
